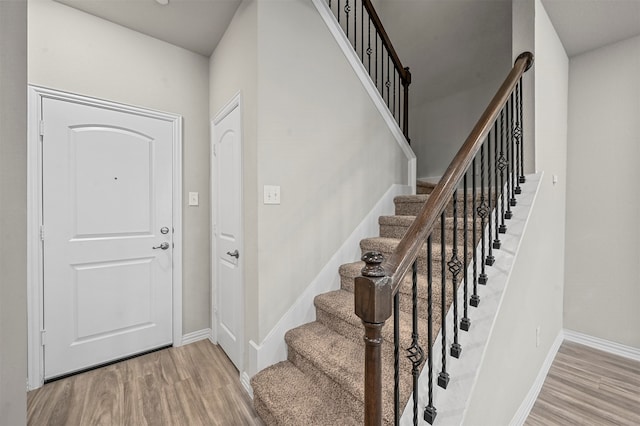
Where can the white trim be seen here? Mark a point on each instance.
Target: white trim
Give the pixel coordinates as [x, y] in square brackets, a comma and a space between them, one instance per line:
[196, 336]
[527, 404]
[231, 105]
[602, 344]
[273, 348]
[245, 381]
[345, 45]
[34, 217]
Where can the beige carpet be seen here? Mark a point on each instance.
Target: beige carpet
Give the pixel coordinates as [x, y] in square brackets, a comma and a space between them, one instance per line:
[322, 382]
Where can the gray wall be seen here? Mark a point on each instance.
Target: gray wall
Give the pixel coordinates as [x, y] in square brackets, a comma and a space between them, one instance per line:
[13, 212]
[76, 52]
[534, 295]
[602, 290]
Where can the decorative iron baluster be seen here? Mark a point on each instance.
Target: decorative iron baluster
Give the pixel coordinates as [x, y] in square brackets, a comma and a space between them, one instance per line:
[388, 83]
[347, 9]
[483, 212]
[496, 242]
[502, 163]
[517, 135]
[510, 149]
[362, 31]
[369, 51]
[396, 358]
[475, 298]
[465, 322]
[490, 258]
[416, 354]
[429, 411]
[338, 11]
[443, 377]
[521, 179]
[454, 269]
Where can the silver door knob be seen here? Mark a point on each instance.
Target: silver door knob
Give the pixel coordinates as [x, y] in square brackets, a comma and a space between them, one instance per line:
[234, 254]
[162, 246]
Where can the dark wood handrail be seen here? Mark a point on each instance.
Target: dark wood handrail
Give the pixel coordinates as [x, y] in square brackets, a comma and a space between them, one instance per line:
[396, 265]
[404, 73]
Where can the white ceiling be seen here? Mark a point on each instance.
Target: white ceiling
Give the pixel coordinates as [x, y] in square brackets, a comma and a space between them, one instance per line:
[584, 25]
[196, 25]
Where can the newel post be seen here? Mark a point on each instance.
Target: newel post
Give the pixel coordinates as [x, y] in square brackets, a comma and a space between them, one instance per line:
[373, 306]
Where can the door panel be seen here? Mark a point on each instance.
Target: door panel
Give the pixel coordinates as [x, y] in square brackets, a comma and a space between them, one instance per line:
[228, 146]
[107, 192]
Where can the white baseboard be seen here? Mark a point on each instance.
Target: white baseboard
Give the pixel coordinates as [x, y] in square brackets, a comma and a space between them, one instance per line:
[602, 344]
[527, 404]
[196, 336]
[273, 348]
[245, 381]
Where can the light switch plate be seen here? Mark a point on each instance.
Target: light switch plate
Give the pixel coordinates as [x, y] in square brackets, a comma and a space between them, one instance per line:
[193, 199]
[272, 194]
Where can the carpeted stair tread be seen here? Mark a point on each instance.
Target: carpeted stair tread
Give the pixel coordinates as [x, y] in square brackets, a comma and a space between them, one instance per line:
[297, 403]
[329, 358]
[424, 187]
[410, 205]
[396, 227]
[335, 310]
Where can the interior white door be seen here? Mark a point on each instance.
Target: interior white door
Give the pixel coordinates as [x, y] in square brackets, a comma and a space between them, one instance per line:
[107, 225]
[227, 150]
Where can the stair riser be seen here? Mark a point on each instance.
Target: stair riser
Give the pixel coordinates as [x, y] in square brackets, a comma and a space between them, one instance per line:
[392, 231]
[403, 208]
[436, 261]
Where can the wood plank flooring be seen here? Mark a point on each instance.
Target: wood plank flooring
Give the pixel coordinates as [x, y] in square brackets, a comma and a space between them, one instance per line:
[586, 386]
[194, 384]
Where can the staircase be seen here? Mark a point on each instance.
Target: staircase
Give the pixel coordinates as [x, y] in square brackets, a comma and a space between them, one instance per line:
[322, 381]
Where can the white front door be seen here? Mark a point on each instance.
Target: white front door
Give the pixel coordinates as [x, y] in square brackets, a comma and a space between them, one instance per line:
[107, 229]
[227, 149]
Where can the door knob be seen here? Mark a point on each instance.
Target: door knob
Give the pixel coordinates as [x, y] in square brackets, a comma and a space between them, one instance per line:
[162, 246]
[234, 254]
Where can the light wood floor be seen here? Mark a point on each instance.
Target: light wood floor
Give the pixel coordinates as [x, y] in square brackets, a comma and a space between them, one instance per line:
[194, 384]
[588, 387]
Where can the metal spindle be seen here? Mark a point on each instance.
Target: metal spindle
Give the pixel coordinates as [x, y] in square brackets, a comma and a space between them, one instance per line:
[510, 148]
[396, 358]
[475, 299]
[388, 83]
[490, 260]
[362, 31]
[517, 136]
[369, 51]
[443, 377]
[465, 322]
[454, 269]
[347, 9]
[483, 212]
[496, 242]
[416, 354]
[338, 11]
[429, 411]
[502, 163]
[521, 179]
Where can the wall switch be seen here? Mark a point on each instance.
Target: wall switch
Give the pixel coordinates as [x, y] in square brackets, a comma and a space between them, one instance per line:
[554, 179]
[193, 198]
[271, 194]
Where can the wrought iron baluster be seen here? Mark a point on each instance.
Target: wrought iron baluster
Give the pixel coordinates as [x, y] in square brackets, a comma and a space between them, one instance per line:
[396, 358]
[490, 260]
[388, 83]
[502, 163]
[394, 93]
[483, 213]
[415, 352]
[496, 242]
[369, 51]
[454, 269]
[338, 11]
[465, 322]
[362, 31]
[347, 9]
[443, 377]
[429, 411]
[517, 134]
[475, 298]
[521, 179]
[510, 150]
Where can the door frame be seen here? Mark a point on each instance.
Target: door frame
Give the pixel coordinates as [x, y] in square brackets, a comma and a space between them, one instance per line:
[232, 104]
[35, 275]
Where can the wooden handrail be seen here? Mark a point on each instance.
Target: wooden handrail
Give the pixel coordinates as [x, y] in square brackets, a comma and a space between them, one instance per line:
[402, 258]
[404, 73]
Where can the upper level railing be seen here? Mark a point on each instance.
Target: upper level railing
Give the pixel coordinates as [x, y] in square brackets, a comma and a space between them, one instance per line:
[484, 177]
[363, 28]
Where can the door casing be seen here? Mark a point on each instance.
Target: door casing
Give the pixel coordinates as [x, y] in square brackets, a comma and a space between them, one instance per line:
[235, 102]
[35, 276]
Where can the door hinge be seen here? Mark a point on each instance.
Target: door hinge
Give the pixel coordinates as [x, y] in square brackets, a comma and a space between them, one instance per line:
[42, 232]
[43, 337]
[41, 127]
